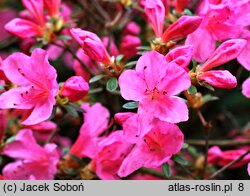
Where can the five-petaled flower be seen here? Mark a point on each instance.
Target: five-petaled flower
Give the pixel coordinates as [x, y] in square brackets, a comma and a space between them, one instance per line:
[37, 85]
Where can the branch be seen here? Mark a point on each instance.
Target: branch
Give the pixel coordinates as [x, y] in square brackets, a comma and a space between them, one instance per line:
[228, 165]
[223, 143]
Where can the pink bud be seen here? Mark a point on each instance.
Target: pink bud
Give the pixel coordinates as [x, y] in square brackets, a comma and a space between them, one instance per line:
[181, 28]
[129, 44]
[92, 45]
[75, 88]
[219, 79]
[155, 12]
[226, 52]
[181, 56]
[53, 7]
[36, 9]
[132, 28]
[23, 28]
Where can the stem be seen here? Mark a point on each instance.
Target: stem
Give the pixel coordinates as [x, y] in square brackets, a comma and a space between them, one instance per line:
[75, 57]
[99, 8]
[224, 143]
[207, 126]
[188, 172]
[228, 165]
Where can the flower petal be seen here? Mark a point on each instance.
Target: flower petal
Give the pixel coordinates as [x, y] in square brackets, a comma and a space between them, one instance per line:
[132, 85]
[219, 79]
[154, 149]
[246, 88]
[175, 81]
[40, 112]
[226, 52]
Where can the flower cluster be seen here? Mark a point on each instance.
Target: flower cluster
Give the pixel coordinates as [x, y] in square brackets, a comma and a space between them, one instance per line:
[139, 73]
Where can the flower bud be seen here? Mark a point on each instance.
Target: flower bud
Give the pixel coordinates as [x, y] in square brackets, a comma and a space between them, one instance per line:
[92, 45]
[75, 88]
[182, 27]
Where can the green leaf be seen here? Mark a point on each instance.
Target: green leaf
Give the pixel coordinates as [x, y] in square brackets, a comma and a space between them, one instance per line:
[10, 139]
[131, 105]
[76, 107]
[65, 151]
[1, 87]
[131, 64]
[38, 45]
[192, 150]
[188, 12]
[71, 111]
[180, 160]
[96, 78]
[207, 98]
[206, 85]
[119, 58]
[185, 146]
[194, 63]
[147, 48]
[166, 169]
[70, 171]
[64, 37]
[53, 114]
[192, 90]
[112, 84]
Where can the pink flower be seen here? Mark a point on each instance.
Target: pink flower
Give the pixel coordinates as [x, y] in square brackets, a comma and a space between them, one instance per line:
[75, 88]
[23, 28]
[92, 45]
[154, 84]
[37, 86]
[53, 7]
[221, 20]
[181, 56]
[244, 58]
[95, 123]
[155, 12]
[246, 88]
[181, 28]
[111, 152]
[222, 158]
[129, 45]
[32, 161]
[226, 52]
[153, 149]
[132, 29]
[35, 7]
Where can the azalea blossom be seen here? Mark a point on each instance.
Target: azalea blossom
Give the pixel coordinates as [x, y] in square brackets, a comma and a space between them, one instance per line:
[154, 84]
[92, 45]
[36, 85]
[111, 153]
[155, 12]
[31, 160]
[226, 52]
[93, 126]
[218, 157]
[153, 149]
